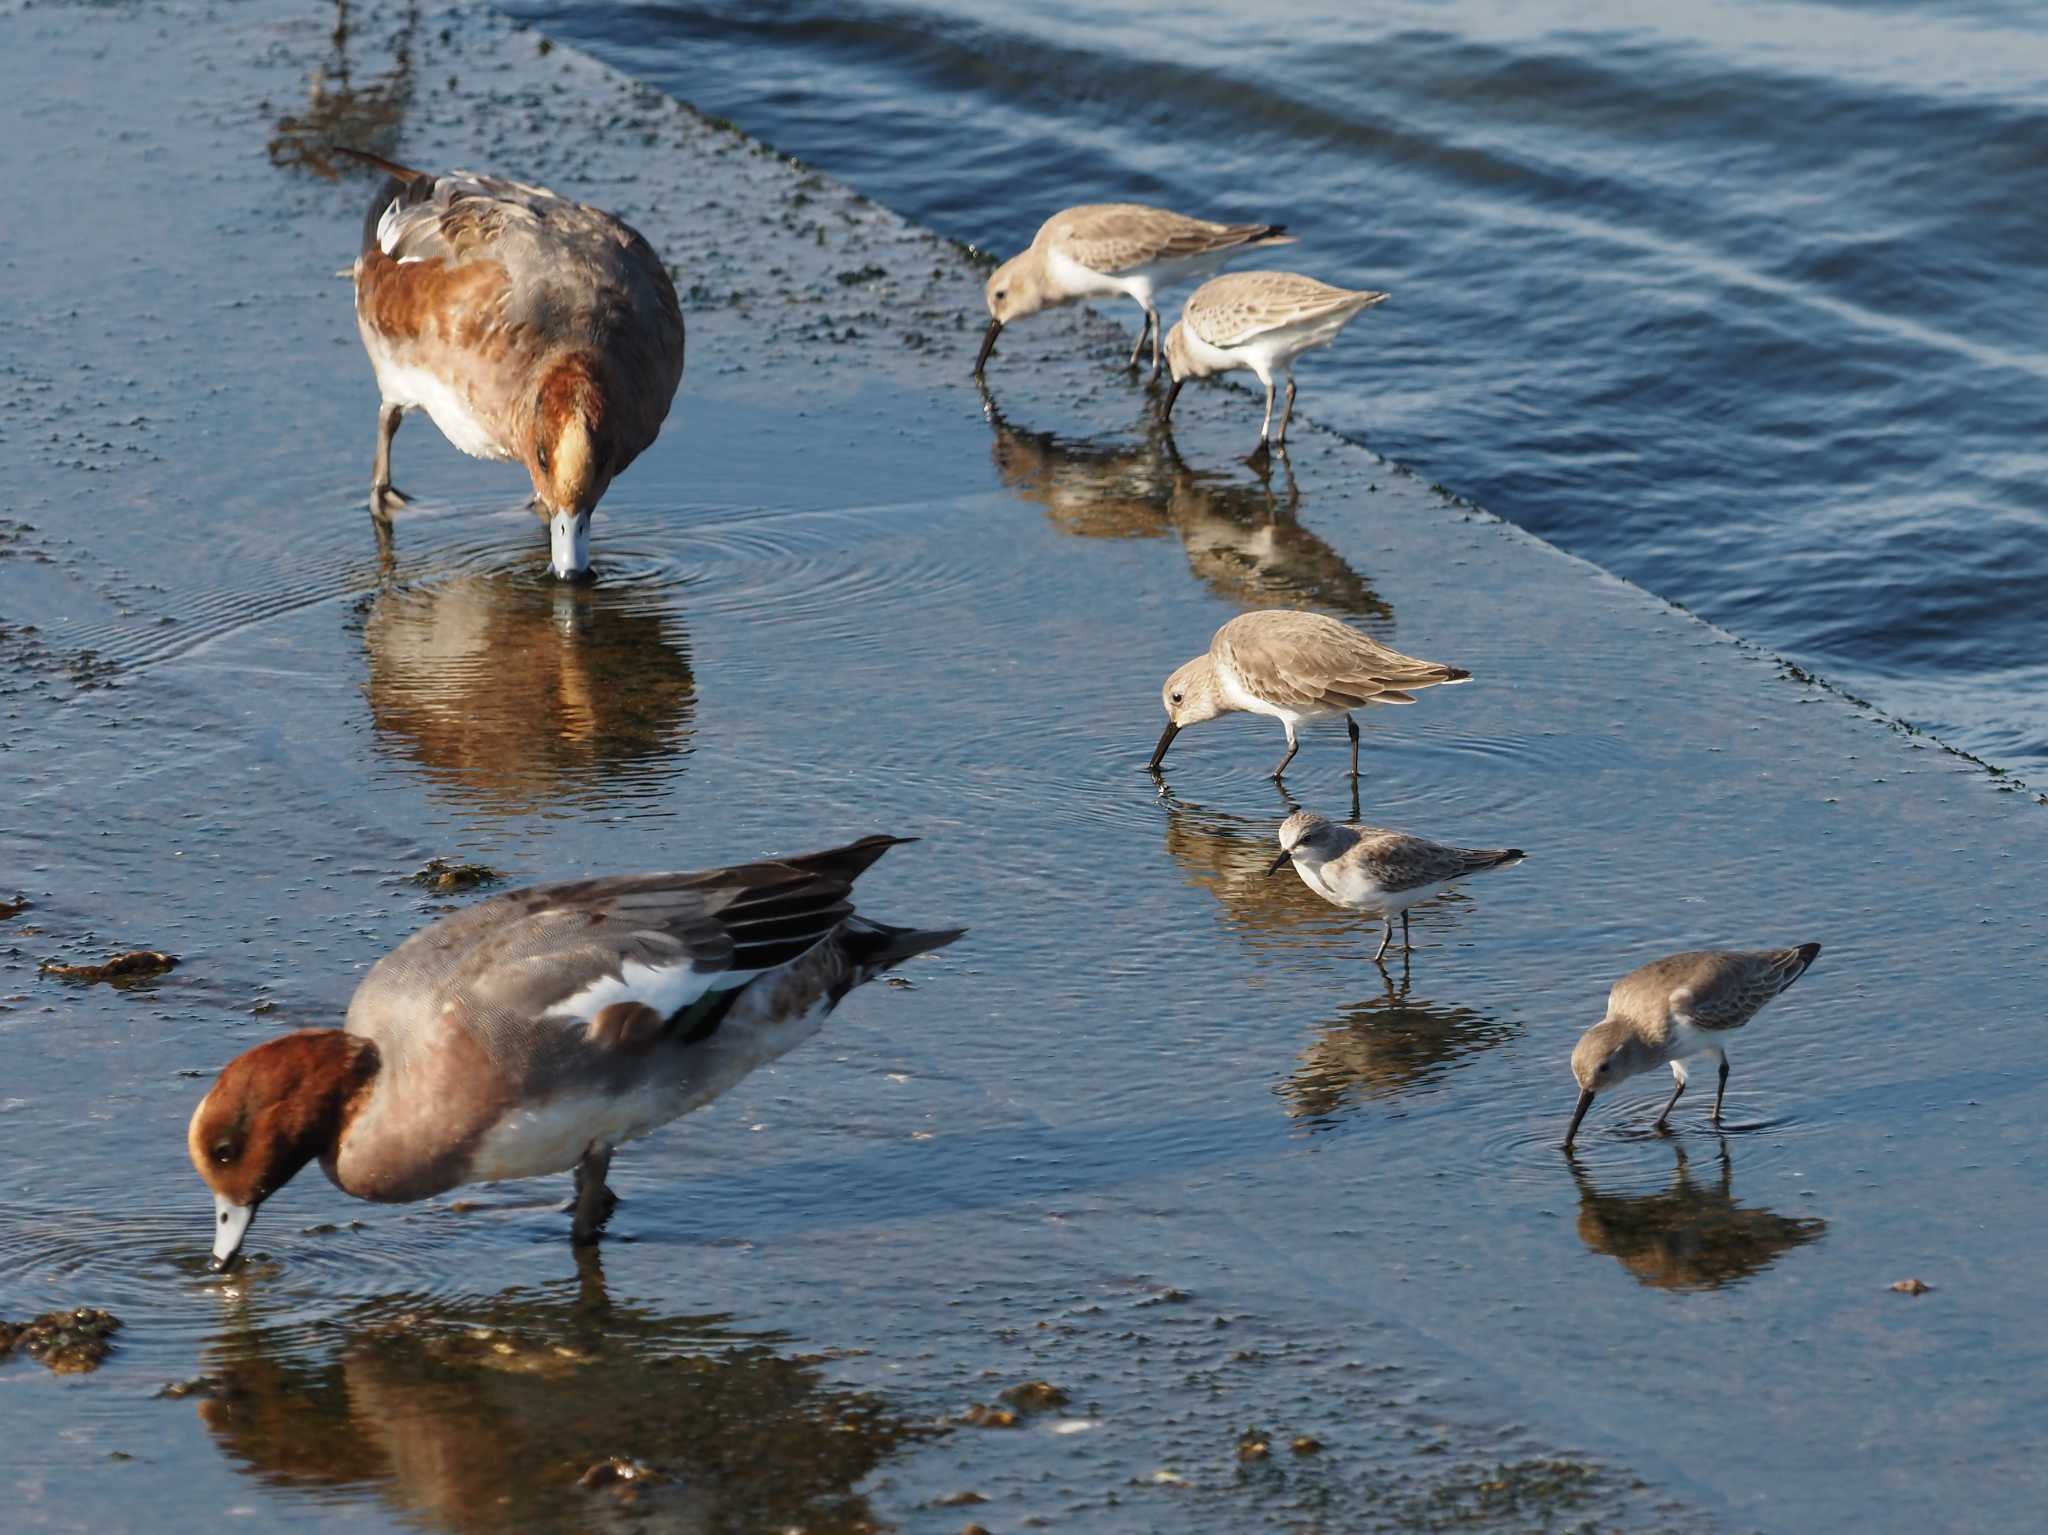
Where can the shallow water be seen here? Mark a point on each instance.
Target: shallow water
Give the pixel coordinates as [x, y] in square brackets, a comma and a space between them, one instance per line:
[1155, 1131]
[1730, 298]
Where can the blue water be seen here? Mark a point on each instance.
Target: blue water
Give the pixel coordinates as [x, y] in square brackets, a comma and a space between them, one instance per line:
[1740, 300]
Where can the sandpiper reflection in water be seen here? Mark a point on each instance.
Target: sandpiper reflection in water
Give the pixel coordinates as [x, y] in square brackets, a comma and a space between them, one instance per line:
[1227, 855]
[484, 1414]
[518, 694]
[1241, 531]
[1692, 1236]
[1389, 1043]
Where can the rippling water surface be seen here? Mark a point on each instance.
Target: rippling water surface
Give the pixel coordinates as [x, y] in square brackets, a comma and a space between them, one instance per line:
[1737, 299]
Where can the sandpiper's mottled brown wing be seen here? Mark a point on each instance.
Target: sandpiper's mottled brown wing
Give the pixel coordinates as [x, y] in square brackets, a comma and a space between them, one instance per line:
[1120, 237]
[1306, 661]
[1711, 988]
[1401, 860]
[1229, 311]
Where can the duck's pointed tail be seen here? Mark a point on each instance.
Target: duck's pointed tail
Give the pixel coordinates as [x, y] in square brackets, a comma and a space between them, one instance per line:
[875, 946]
[378, 162]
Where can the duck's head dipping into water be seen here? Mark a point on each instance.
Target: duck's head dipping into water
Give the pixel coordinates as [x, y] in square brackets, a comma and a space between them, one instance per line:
[270, 1112]
[571, 457]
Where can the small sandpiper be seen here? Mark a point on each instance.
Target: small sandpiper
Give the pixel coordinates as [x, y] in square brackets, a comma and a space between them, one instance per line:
[1103, 250]
[1293, 666]
[528, 326]
[1676, 1009]
[1377, 871]
[1261, 321]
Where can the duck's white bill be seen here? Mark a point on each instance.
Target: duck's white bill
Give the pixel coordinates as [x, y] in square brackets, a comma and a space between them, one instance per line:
[569, 539]
[230, 1225]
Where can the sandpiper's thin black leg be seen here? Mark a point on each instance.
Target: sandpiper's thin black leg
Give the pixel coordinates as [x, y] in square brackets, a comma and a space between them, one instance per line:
[1351, 725]
[1675, 1092]
[1293, 746]
[1386, 938]
[594, 1202]
[1266, 426]
[1721, 1091]
[1144, 330]
[1158, 334]
[1405, 944]
[1287, 414]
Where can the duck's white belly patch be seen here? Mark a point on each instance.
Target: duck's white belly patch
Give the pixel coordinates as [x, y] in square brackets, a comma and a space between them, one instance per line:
[552, 1136]
[418, 388]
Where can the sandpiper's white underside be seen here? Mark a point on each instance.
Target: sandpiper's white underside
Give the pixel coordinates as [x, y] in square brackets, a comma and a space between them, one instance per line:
[1270, 353]
[1069, 279]
[1238, 696]
[1352, 887]
[1690, 1044]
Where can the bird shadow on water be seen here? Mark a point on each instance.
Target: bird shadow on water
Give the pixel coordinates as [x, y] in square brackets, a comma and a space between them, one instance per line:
[1693, 1235]
[1242, 533]
[514, 692]
[546, 1408]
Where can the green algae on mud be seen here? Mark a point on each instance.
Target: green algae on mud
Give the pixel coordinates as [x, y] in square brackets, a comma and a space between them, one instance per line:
[122, 970]
[74, 1342]
[442, 875]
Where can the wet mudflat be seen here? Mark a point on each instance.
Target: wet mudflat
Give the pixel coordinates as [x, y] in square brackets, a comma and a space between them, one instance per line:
[1155, 1133]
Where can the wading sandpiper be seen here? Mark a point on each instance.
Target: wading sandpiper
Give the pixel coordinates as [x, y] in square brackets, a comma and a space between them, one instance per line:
[1676, 1009]
[1293, 666]
[1376, 871]
[1107, 250]
[1261, 321]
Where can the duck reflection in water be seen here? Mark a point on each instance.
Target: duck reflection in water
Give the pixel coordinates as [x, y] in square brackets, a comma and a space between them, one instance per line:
[519, 693]
[505, 1413]
[1241, 535]
[1389, 1043]
[1691, 1236]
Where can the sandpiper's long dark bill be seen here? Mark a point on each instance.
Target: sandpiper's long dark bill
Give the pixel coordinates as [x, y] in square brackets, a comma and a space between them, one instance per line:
[535, 1032]
[1261, 321]
[1108, 250]
[527, 326]
[1374, 870]
[1678, 1009]
[1293, 666]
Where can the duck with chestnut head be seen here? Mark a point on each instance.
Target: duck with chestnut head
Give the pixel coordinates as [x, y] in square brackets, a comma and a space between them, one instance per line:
[537, 1031]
